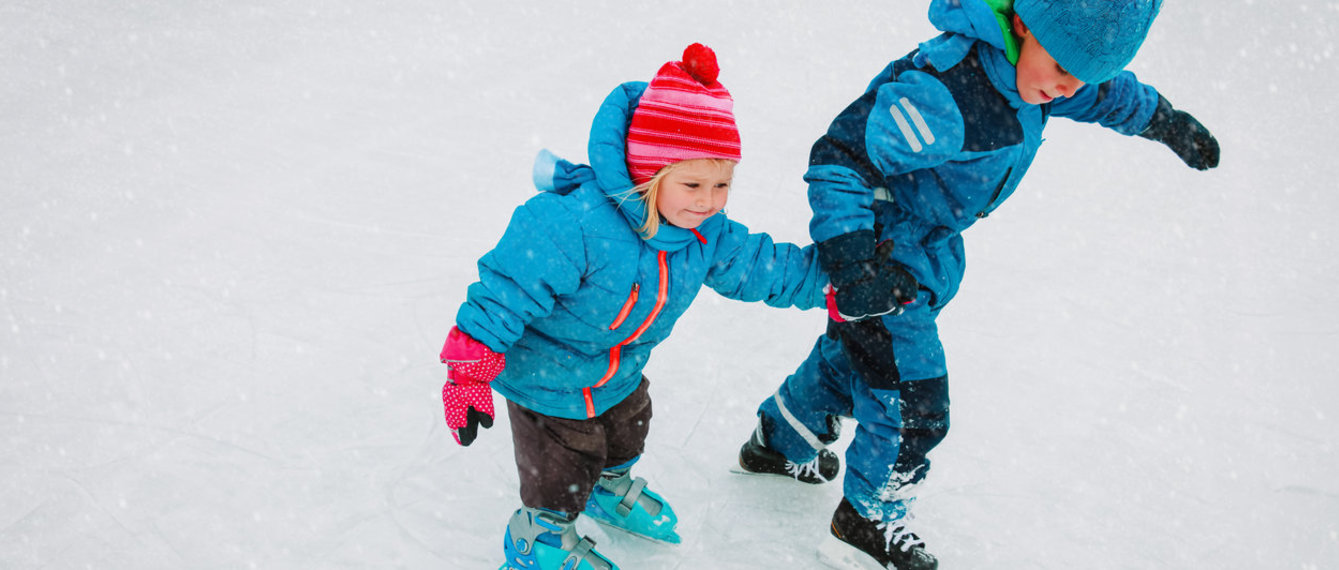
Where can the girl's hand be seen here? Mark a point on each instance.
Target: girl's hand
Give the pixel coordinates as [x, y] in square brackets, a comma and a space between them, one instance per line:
[467, 398]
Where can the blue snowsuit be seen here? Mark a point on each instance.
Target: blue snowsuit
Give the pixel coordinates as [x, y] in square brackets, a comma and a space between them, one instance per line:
[938, 140]
[577, 299]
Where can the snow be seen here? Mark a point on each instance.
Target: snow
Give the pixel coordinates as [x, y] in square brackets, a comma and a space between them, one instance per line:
[234, 235]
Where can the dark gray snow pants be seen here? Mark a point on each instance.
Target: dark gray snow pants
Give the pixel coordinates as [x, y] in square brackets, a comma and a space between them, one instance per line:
[559, 459]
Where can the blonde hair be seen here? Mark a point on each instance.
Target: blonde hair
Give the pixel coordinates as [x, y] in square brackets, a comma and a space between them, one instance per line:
[648, 191]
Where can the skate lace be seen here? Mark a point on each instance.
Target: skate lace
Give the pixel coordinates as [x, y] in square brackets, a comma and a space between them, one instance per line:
[798, 470]
[899, 534]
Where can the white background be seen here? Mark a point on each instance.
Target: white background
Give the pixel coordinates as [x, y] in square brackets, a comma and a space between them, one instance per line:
[234, 234]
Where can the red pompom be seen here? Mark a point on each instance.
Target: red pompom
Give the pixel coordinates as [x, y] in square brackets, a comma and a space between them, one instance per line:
[700, 62]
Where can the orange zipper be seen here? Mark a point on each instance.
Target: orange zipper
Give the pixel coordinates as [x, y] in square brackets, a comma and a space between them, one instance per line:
[627, 308]
[615, 353]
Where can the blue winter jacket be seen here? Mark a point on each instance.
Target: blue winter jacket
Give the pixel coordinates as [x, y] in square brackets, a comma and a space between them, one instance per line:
[576, 298]
[940, 138]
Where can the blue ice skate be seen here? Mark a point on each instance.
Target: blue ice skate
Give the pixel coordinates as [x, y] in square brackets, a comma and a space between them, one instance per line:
[540, 539]
[620, 501]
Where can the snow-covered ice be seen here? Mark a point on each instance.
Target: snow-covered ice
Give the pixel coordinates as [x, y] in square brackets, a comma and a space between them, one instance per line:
[234, 234]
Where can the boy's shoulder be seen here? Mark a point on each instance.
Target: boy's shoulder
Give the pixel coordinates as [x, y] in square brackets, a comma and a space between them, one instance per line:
[991, 121]
[961, 102]
[965, 78]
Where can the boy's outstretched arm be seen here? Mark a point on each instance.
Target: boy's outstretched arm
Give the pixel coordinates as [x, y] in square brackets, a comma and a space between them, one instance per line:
[1130, 107]
[1189, 139]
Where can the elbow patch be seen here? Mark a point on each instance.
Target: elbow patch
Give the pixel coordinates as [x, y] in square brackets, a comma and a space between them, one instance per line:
[914, 124]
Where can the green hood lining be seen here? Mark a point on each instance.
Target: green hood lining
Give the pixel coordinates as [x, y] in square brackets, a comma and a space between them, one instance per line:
[1004, 14]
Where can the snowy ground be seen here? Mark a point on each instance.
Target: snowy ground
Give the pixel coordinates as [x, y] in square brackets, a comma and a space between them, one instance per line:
[234, 234]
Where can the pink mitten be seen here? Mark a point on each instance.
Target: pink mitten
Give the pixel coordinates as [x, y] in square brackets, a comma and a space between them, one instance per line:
[468, 406]
[468, 400]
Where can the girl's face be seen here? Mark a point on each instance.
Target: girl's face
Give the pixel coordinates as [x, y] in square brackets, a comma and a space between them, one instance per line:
[1040, 78]
[693, 191]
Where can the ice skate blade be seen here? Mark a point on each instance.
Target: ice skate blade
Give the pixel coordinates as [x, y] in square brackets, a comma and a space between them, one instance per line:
[673, 539]
[838, 554]
[783, 476]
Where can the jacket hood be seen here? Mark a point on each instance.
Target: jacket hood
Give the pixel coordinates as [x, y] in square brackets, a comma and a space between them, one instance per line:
[965, 21]
[608, 170]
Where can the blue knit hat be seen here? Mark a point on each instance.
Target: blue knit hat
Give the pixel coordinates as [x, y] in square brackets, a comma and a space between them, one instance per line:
[1092, 39]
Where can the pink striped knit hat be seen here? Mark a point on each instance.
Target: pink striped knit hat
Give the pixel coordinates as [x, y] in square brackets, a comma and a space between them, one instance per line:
[684, 113]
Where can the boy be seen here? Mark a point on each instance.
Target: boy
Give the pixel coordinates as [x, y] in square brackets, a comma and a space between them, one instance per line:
[938, 140]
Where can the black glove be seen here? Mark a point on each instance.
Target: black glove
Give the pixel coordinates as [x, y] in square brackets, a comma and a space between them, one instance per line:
[1184, 135]
[864, 282]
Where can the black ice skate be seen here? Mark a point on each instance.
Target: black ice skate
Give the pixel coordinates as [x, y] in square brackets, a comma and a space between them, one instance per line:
[858, 543]
[756, 458]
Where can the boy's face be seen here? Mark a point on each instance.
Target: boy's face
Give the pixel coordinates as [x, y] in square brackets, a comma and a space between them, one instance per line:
[694, 191]
[1040, 78]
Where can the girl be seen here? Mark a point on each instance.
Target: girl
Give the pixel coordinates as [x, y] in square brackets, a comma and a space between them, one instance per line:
[589, 276]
